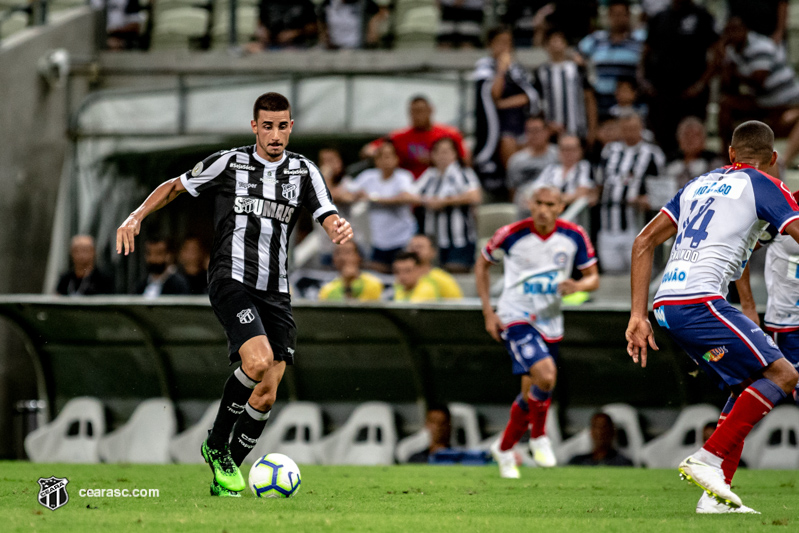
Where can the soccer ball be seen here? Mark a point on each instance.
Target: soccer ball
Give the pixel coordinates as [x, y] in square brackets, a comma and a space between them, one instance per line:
[274, 476]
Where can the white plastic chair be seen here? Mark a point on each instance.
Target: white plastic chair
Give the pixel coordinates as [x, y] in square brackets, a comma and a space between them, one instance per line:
[773, 443]
[294, 432]
[367, 438]
[465, 422]
[682, 439]
[72, 437]
[145, 437]
[412, 444]
[185, 447]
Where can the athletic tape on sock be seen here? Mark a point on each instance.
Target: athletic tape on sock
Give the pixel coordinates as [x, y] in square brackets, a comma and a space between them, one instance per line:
[255, 414]
[244, 378]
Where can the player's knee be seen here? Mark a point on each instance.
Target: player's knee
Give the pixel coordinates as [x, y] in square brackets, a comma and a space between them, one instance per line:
[545, 377]
[792, 378]
[258, 363]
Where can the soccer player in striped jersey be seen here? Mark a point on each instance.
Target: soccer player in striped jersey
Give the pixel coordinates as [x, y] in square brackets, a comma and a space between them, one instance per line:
[258, 191]
[717, 219]
[539, 254]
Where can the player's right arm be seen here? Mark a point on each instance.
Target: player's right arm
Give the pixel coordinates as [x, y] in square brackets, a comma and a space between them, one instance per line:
[639, 332]
[162, 195]
[492, 322]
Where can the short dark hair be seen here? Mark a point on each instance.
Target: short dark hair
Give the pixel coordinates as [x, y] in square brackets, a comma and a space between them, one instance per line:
[629, 80]
[428, 238]
[496, 31]
[405, 255]
[419, 98]
[271, 102]
[625, 3]
[440, 407]
[551, 31]
[753, 139]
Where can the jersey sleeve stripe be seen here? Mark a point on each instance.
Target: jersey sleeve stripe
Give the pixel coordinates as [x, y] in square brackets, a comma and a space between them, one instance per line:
[488, 256]
[188, 185]
[591, 262]
[785, 224]
[670, 215]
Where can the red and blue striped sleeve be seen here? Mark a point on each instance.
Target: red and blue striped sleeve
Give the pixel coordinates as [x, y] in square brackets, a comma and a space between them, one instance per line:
[774, 202]
[504, 238]
[586, 255]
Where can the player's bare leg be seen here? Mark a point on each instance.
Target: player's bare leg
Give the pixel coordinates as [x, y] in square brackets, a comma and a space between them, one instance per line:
[705, 466]
[542, 378]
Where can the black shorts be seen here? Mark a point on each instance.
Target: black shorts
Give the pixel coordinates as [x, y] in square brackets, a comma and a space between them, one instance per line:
[245, 313]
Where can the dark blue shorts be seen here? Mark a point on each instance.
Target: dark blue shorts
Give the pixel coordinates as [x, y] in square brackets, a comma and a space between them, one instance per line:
[788, 343]
[463, 255]
[526, 347]
[729, 347]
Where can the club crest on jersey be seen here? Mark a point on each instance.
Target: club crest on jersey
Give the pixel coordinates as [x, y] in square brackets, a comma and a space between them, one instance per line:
[560, 259]
[290, 191]
[715, 354]
[245, 316]
[53, 492]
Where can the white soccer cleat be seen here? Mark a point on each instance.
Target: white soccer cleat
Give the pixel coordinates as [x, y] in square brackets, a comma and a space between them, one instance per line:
[708, 505]
[710, 479]
[541, 448]
[506, 461]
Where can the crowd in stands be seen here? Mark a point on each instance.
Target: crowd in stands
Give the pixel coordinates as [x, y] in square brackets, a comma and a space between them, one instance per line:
[615, 115]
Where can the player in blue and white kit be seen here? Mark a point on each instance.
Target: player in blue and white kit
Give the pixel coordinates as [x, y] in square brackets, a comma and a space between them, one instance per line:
[540, 253]
[782, 284]
[717, 219]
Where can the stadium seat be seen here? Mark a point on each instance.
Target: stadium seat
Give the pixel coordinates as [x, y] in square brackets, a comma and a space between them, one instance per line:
[491, 217]
[412, 444]
[179, 28]
[145, 437]
[246, 23]
[72, 437]
[682, 439]
[185, 447]
[12, 23]
[773, 443]
[367, 438]
[415, 23]
[294, 432]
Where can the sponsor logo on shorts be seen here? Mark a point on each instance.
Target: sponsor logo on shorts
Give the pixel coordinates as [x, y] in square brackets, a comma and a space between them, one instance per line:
[715, 354]
[290, 191]
[245, 316]
[769, 340]
[660, 316]
[290, 351]
[53, 492]
[295, 172]
[263, 208]
[238, 166]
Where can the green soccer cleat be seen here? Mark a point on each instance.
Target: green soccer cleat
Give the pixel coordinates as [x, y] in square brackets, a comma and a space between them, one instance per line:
[222, 492]
[226, 473]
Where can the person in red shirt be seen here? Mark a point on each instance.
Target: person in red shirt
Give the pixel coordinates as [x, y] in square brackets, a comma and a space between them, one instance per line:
[414, 143]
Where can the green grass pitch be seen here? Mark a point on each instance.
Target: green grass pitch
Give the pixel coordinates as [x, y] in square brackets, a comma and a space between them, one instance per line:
[397, 498]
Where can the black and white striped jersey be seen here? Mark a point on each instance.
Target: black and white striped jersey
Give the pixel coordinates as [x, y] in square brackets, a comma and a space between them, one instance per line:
[562, 88]
[623, 174]
[256, 206]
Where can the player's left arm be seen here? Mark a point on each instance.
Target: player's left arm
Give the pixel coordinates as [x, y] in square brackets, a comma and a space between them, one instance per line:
[162, 195]
[588, 283]
[748, 305]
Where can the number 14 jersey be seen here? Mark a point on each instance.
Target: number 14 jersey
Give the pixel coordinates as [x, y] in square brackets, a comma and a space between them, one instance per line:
[719, 217]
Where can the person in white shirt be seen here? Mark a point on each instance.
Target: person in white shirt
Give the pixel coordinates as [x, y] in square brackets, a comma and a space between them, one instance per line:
[388, 189]
[572, 174]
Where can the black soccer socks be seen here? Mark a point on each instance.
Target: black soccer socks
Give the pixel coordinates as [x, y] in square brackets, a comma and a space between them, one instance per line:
[246, 432]
[238, 389]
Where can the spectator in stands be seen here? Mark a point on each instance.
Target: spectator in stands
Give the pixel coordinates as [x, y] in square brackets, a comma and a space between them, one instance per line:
[84, 278]
[448, 192]
[575, 18]
[505, 97]
[650, 8]
[461, 23]
[347, 24]
[389, 190]
[626, 167]
[414, 143]
[285, 24]
[425, 248]
[526, 165]
[607, 132]
[676, 69]
[438, 423]
[352, 283]
[411, 283]
[332, 168]
[627, 101]
[693, 158]
[614, 53]
[123, 23]
[193, 259]
[567, 97]
[603, 453]
[766, 17]
[572, 174]
[163, 276]
[758, 84]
